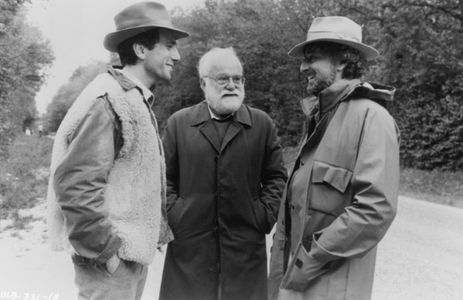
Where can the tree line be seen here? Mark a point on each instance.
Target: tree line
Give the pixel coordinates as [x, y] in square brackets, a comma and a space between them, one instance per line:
[23, 56]
[420, 43]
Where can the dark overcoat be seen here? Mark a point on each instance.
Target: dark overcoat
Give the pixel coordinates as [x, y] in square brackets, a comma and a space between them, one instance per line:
[221, 200]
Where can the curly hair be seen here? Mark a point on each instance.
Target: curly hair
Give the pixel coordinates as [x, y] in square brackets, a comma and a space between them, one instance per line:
[356, 64]
[125, 49]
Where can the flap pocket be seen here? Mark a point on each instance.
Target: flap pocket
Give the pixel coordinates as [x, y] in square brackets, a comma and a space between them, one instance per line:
[337, 177]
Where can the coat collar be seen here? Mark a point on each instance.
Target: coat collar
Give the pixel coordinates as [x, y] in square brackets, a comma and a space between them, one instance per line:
[128, 82]
[201, 114]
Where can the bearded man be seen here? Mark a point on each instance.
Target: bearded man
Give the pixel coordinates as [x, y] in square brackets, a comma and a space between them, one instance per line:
[225, 179]
[342, 193]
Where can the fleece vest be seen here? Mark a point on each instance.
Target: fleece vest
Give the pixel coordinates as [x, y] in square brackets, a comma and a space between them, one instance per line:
[133, 194]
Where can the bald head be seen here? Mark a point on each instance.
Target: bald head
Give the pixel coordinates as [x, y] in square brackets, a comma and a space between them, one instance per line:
[215, 58]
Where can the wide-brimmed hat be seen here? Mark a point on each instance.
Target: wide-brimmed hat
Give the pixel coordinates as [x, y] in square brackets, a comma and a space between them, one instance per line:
[335, 29]
[138, 18]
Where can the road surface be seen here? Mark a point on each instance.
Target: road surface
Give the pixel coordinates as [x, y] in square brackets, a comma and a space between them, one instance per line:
[420, 258]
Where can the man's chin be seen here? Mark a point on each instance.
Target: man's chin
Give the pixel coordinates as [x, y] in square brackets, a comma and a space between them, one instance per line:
[229, 108]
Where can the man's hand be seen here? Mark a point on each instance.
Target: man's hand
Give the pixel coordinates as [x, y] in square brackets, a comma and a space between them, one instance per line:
[112, 263]
[303, 271]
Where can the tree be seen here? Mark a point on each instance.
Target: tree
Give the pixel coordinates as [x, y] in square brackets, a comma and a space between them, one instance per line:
[69, 92]
[23, 56]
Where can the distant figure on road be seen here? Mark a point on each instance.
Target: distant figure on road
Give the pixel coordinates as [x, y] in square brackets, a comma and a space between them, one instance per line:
[342, 194]
[107, 185]
[40, 130]
[225, 179]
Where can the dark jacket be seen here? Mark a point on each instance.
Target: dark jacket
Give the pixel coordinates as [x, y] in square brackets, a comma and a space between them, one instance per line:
[347, 203]
[222, 200]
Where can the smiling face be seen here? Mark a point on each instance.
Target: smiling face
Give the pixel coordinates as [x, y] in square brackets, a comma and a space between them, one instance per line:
[320, 70]
[159, 62]
[224, 98]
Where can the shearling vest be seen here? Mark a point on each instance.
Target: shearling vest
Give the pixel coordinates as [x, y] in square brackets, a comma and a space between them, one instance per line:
[133, 194]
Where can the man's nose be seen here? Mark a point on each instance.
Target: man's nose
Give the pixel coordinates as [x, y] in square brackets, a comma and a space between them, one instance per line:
[304, 66]
[174, 54]
[230, 84]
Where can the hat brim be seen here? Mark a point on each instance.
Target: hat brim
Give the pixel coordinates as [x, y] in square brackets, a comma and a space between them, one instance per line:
[113, 39]
[368, 51]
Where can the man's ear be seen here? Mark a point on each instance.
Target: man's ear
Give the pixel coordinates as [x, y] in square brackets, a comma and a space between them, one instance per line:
[202, 83]
[340, 69]
[139, 50]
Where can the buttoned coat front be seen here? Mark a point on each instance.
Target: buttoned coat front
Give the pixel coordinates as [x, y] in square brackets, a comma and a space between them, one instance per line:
[350, 202]
[222, 200]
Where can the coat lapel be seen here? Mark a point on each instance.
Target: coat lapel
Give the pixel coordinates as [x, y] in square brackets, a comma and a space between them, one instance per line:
[241, 118]
[202, 119]
[210, 133]
[232, 131]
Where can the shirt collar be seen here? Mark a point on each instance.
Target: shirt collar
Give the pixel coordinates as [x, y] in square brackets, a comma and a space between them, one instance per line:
[217, 117]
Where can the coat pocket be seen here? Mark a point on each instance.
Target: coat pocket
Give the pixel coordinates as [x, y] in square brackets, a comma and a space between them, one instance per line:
[329, 188]
[302, 271]
[337, 177]
[260, 215]
[175, 212]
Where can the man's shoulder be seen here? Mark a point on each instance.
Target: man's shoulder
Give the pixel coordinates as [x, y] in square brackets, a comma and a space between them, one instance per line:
[258, 114]
[364, 105]
[101, 85]
[186, 112]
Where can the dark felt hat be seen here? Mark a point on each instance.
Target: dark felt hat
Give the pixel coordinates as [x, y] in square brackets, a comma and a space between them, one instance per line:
[138, 18]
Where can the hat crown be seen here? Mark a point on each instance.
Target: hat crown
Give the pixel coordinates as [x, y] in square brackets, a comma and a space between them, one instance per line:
[335, 29]
[339, 27]
[138, 18]
[142, 14]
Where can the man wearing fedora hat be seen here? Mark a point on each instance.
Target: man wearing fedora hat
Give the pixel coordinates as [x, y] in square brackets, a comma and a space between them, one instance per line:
[106, 195]
[342, 193]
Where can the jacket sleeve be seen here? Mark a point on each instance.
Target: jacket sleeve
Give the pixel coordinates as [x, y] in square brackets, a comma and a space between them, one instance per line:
[274, 176]
[80, 180]
[375, 184]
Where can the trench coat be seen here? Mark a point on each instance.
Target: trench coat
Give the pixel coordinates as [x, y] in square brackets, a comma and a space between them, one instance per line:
[221, 201]
[351, 200]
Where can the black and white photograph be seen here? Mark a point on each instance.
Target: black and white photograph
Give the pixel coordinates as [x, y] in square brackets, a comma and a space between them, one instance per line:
[231, 150]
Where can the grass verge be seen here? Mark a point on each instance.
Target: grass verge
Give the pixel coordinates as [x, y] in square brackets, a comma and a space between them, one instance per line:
[434, 186]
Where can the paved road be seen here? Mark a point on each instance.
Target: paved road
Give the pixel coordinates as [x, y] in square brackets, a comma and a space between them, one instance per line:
[421, 258]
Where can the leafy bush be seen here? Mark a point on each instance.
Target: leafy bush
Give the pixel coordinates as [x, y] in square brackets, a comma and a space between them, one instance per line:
[24, 175]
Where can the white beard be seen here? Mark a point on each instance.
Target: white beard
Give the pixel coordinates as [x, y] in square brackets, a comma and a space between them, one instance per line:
[225, 105]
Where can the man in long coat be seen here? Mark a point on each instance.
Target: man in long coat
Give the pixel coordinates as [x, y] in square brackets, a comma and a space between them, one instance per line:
[225, 179]
[342, 194]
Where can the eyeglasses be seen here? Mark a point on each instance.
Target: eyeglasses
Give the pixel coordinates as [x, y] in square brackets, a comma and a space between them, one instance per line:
[223, 80]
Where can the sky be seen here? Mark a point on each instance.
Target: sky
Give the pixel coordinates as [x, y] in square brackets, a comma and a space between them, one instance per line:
[76, 29]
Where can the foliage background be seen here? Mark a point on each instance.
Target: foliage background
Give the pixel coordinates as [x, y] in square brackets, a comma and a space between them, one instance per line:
[420, 42]
[23, 56]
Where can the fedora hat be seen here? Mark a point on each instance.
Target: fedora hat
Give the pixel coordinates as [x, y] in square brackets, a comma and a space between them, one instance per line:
[138, 18]
[340, 30]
